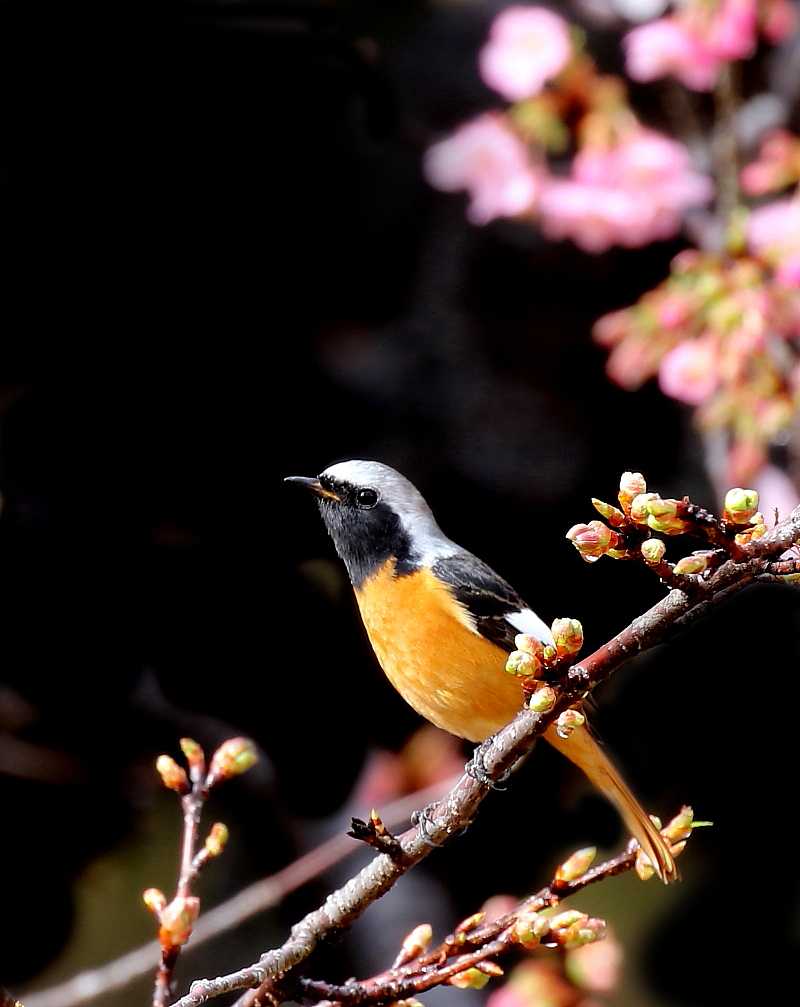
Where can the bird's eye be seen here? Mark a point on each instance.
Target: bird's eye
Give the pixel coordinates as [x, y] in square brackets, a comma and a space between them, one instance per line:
[366, 499]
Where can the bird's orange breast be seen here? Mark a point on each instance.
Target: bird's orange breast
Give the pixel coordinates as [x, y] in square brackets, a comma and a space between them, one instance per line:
[426, 644]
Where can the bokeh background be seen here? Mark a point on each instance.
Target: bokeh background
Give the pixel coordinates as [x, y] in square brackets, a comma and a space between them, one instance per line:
[227, 267]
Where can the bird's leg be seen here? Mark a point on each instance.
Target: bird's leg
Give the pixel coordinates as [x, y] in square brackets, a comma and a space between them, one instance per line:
[476, 767]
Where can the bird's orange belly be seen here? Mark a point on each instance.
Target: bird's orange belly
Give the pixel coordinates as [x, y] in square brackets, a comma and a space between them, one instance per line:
[425, 644]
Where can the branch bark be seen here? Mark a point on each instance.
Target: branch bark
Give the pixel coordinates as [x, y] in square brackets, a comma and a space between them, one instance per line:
[500, 755]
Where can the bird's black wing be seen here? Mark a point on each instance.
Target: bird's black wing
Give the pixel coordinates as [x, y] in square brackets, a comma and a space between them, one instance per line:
[484, 593]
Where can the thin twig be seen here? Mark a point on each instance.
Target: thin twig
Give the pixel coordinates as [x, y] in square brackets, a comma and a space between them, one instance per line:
[500, 755]
[262, 895]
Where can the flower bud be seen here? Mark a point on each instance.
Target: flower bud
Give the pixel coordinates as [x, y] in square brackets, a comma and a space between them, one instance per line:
[639, 504]
[233, 757]
[543, 700]
[177, 920]
[582, 933]
[523, 665]
[653, 550]
[631, 485]
[696, 563]
[681, 825]
[567, 918]
[592, 540]
[576, 865]
[643, 867]
[194, 755]
[172, 775]
[469, 979]
[529, 929]
[567, 636]
[569, 721]
[154, 899]
[216, 839]
[529, 644]
[470, 923]
[612, 514]
[662, 516]
[549, 654]
[417, 941]
[740, 505]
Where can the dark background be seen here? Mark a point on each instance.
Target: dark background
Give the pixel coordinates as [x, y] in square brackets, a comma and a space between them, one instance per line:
[225, 268]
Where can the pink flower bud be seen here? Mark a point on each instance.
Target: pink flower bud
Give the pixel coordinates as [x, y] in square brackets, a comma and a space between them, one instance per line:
[567, 636]
[233, 757]
[172, 775]
[592, 540]
[529, 644]
[631, 485]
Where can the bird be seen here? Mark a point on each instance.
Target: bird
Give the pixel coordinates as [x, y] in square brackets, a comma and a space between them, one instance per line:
[442, 623]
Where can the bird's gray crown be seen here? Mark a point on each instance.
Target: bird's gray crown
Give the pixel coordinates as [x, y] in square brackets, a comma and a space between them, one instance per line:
[428, 541]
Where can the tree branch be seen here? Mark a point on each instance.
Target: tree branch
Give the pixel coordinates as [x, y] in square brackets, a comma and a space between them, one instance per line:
[499, 755]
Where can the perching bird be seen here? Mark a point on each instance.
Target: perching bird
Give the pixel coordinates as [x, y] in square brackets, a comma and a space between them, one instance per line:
[442, 622]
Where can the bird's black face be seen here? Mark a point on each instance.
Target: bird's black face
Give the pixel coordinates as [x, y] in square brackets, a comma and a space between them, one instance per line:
[366, 531]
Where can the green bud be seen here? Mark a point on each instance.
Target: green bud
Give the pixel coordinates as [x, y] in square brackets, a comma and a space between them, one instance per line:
[523, 665]
[469, 979]
[612, 514]
[696, 563]
[740, 505]
[543, 700]
[576, 865]
[653, 550]
[569, 721]
[172, 775]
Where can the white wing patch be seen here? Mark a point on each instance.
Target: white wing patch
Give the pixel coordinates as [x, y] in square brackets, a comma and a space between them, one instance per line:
[527, 621]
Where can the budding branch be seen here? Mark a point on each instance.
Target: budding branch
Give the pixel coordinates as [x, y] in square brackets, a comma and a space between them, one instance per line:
[498, 756]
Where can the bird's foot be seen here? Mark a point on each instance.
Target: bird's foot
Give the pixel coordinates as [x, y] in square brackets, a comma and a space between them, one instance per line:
[427, 827]
[476, 767]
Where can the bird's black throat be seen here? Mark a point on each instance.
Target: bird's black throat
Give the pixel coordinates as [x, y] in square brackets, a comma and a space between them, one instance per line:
[366, 539]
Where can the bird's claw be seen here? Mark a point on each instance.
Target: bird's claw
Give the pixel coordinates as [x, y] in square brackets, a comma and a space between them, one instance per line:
[476, 768]
[428, 826]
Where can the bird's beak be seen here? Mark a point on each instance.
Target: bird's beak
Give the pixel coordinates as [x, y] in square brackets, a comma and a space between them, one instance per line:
[313, 484]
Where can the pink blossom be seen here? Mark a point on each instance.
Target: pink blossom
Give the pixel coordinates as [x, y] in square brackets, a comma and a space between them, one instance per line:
[667, 47]
[689, 371]
[491, 163]
[773, 232]
[527, 46]
[732, 29]
[632, 194]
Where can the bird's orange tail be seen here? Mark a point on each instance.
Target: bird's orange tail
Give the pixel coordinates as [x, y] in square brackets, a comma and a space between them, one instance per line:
[582, 749]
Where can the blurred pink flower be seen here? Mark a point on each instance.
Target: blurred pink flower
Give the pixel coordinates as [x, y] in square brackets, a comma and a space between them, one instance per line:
[773, 232]
[527, 46]
[779, 20]
[632, 194]
[491, 163]
[689, 371]
[693, 44]
[666, 47]
[732, 29]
